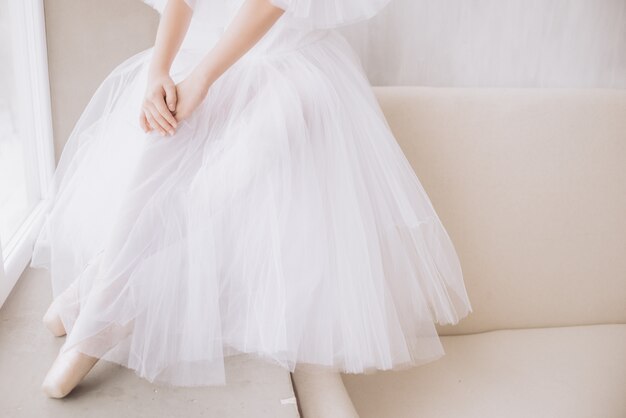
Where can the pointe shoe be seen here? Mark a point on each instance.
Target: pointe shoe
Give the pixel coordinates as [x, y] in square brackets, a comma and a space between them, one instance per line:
[68, 369]
[52, 321]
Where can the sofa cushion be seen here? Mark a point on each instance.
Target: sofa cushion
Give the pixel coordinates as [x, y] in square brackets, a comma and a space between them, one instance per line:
[531, 187]
[572, 372]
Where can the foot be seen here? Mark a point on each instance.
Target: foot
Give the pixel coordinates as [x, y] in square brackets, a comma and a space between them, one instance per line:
[68, 369]
[51, 319]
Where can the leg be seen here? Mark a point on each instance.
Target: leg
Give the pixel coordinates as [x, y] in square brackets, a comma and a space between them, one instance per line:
[156, 172]
[69, 300]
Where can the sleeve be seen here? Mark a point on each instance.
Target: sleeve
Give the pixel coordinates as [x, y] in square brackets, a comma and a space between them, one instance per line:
[328, 13]
[159, 5]
[206, 13]
[320, 14]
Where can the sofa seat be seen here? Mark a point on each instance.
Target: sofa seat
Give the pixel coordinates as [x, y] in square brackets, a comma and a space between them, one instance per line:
[574, 371]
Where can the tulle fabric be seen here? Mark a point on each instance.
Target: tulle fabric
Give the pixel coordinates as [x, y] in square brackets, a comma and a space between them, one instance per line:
[281, 220]
[328, 13]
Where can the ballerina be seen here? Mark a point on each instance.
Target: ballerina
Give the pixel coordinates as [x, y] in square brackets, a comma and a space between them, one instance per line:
[259, 204]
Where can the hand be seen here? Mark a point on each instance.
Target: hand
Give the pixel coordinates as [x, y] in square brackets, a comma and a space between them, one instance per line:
[190, 93]
[159, 105]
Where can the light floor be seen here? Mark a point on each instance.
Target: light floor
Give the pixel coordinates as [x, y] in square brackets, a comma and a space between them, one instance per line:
[573, 372]
[27, 350]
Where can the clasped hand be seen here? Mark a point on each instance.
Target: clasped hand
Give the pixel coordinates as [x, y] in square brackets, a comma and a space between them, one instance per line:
[165, 103]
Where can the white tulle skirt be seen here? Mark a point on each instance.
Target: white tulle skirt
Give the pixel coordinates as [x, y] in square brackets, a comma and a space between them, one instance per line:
[282, 220]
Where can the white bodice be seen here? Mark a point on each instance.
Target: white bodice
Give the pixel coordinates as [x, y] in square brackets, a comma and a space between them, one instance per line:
[303, 21]
[210, 17]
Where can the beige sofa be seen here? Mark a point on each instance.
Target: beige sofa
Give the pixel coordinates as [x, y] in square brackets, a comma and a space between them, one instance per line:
[531, 186]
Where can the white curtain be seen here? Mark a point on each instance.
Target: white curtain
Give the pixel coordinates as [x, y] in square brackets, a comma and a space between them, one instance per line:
[495, 43]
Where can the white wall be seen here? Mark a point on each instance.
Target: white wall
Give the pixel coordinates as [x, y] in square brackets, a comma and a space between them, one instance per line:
[510, 43]
[86, 40]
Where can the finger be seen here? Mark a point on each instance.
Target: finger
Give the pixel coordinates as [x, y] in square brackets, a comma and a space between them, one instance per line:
[143, 122]
[156, 113]
[154, 126]
[166, 114]
[154, 123]
[180, 114]
[160, 120]
[171, 96]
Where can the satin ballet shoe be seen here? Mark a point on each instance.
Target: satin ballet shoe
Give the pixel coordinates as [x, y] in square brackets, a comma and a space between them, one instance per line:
[68, 369]
[52, 321]
[71, 366]
[51, 318]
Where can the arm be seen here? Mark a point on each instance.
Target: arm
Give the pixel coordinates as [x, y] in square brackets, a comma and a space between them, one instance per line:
[160, 97]
[252, 21]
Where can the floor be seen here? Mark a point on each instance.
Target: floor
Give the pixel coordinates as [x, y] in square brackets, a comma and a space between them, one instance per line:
[27, 350]
[575, 371]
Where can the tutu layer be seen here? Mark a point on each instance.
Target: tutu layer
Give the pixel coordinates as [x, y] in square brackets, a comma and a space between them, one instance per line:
[282, 220]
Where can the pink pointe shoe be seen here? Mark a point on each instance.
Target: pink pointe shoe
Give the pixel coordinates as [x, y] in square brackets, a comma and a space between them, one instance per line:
[51, 318]
[71, 366]
[68, 369]
[53, 322]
